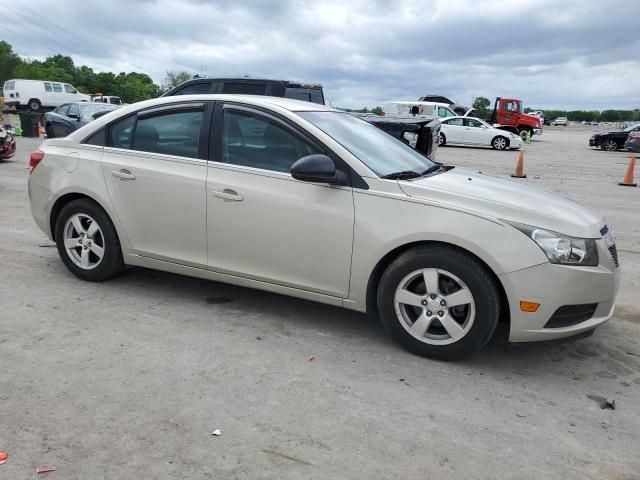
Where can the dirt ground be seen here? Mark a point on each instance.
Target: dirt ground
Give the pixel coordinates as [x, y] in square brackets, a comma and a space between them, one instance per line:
[129, 378]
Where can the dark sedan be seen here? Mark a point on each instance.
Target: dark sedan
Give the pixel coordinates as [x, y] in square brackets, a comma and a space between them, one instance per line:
[613, 140]
[633, 142]
[71, 116]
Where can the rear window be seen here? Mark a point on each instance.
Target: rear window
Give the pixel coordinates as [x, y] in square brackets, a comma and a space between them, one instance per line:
[245, 88]
[313, 95]
[194, 89]
[10, 85]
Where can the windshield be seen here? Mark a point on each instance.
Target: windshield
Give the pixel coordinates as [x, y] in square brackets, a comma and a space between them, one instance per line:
[89, 109]
[632, 127]
[378, 150]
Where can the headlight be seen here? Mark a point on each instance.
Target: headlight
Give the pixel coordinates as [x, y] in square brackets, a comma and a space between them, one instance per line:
[562, 249]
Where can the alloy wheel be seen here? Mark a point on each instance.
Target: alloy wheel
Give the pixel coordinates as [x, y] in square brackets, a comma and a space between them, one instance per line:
[500, 143]
[610, 146]
[435, 306]
[84, 241]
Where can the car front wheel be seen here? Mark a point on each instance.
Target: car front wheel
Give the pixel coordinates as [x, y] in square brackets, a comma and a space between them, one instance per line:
[499, 143]
[439, 302]
[610, 145]
[87, 241]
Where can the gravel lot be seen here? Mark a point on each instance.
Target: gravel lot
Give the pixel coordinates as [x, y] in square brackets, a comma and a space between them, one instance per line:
[127, 379]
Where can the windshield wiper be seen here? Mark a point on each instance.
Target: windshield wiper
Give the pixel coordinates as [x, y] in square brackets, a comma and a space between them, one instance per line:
[403, 175]
[409, 174]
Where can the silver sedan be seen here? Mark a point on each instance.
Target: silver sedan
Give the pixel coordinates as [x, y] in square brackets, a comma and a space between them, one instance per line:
[308, 201]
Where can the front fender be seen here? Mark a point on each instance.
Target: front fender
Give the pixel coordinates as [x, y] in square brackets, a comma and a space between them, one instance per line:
[500, 246]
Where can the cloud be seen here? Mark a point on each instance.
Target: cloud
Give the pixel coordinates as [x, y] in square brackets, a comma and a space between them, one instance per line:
[569, 54]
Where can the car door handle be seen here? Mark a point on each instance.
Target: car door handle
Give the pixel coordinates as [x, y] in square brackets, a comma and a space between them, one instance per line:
[227, 194]
[123, 174]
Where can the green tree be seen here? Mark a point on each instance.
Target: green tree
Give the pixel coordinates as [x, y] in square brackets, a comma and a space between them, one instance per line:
[481, 107]
[9, 61]
[377, 110]
[174, 78]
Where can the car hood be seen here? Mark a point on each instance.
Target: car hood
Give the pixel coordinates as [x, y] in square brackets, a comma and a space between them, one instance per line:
[506, 200]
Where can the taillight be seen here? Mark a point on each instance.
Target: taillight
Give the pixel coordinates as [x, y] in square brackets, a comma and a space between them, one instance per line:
[35, 158]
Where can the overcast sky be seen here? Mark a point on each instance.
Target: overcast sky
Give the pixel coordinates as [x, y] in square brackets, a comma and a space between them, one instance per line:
[565, 54]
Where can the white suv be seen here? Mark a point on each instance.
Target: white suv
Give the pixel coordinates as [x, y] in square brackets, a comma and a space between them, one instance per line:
[308, 201]
[37, 94]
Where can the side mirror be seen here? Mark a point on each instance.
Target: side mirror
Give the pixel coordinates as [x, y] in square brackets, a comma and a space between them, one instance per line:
[316, 168]
[100, 114]
[74, 116]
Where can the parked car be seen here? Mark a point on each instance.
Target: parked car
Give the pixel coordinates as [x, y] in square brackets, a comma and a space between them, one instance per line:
[38, 94]
[458, 109]
[7, 144]
[421, 134]
[309, 92]
[110, 99]
[413, 109]
[308, 201]
[560, 121]
[633, 141]
[71, 116]
[539, 114]
[612, 140]
[476, 132]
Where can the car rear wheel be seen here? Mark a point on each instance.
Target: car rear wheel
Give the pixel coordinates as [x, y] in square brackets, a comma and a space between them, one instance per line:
[524, 133]
[610, 145]
[442, 140]
[34, 104]
[499, 143]
[87, 241]
[439, 302]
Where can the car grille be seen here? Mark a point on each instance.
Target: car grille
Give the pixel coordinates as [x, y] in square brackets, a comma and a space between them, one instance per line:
[604, 231]
[571, 315]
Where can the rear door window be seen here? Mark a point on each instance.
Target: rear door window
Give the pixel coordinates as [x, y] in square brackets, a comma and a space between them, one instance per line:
[454, 121]
[313, 95]
[245, 88]
[173, 132]
[57, 87]
[195, 89]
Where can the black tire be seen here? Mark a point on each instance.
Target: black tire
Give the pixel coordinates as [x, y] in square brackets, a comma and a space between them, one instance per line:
[442, 140]
[112, 262]
[34, 105]
[609, 145]
[497, 144]
[49, 132]
[468, 269]
[523, 133]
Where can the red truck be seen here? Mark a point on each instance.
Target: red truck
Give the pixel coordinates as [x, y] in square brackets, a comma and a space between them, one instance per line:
[507, 115]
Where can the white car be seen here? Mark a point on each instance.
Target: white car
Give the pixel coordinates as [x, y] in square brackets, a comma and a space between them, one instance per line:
[473, 131]
[37, 94]
[560, 121]
[308, 201]
[412, 108]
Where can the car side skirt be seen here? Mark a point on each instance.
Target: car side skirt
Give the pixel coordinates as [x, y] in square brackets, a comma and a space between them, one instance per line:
[141, 261]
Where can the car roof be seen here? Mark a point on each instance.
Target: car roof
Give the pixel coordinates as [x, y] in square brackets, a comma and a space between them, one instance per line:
[257, 100]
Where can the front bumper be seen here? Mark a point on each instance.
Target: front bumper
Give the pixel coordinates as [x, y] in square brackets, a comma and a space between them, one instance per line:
[595, 142]
[537, 131]
[554, 286]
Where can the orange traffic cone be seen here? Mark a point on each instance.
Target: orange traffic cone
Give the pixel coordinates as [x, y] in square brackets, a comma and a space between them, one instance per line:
[628, 177]
[519, 173]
